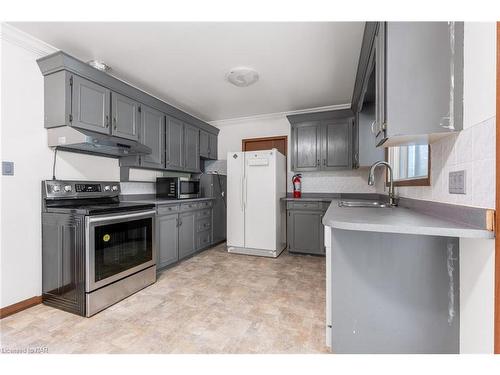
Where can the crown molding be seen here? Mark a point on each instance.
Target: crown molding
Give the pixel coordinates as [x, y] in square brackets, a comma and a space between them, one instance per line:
[276, 115]
[24, 40]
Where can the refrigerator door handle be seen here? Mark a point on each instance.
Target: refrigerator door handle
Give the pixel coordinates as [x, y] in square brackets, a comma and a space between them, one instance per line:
[241, 194]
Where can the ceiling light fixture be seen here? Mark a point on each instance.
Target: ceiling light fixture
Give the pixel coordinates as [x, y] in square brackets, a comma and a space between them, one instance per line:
[99, 65]
[242, 76]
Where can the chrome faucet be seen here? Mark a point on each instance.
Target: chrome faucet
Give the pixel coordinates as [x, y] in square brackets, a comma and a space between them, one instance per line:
[371, 180]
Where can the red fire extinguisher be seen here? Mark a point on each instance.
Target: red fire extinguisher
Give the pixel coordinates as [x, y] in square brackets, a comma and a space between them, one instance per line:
[297, 186]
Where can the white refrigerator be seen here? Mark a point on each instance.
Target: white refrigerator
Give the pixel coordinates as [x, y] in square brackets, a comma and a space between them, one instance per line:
[256, 182]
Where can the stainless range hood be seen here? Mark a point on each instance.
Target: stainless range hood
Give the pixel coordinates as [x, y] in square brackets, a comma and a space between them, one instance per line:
[89, 142]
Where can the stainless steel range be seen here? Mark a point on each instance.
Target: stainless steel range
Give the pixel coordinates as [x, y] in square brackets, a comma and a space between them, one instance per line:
[96, 250]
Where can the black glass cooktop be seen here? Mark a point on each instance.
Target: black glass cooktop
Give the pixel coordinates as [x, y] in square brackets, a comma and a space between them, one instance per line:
[95, 206]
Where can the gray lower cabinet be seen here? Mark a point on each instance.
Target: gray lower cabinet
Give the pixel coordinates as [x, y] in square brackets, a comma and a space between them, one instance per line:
[126, 119]
[187, 234]
[174, 140]
[90, 106]
[305, 232]
[322, 141]
[191, 148]
[167, 234]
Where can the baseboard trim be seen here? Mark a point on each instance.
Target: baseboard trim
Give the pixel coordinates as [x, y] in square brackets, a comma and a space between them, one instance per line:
[20, 306]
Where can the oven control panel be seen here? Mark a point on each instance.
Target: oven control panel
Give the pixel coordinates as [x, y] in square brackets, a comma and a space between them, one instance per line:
[80, 189]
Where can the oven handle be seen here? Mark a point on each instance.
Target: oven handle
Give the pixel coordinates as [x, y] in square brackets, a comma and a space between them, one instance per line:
[126, 216]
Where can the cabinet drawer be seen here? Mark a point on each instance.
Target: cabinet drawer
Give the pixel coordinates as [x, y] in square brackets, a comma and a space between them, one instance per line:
[304, 205]
[204, 239]
[203, 214]
[163, 210]
[205, 204]
[203, 224]
[189, 206]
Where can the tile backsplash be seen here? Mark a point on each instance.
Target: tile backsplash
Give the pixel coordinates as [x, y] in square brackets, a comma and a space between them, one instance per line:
[128, 188]
[472, 150]
[352, 181]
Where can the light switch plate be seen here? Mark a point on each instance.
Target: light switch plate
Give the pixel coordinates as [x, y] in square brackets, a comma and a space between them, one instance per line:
[456, 183]
[7, 168]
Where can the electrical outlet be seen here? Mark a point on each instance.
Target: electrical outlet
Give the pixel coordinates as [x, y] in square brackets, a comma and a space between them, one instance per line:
[456, 183]
[7, 168]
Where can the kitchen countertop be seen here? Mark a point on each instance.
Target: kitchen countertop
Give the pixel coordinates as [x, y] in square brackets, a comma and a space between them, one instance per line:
[150, 198]
[397, 220]
[328, 197]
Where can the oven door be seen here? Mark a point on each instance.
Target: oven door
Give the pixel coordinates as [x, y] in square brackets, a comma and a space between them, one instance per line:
[188, 188]
[117, 246]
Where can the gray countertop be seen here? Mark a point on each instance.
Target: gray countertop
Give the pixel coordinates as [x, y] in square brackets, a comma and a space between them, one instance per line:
[397, 220]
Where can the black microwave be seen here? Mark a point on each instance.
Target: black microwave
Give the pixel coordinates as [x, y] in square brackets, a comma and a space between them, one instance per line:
[177, 187]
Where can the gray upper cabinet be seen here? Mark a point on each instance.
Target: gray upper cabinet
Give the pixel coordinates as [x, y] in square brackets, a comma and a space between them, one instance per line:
[187, 234]
[212, 149]
[167, 232]
[418, 58]
[204, 144]
[322, 141]
[125, 117]
[153, 135]
[89, 105]
[191, 148]
[336, 150]
[208, 145]
[174, 141]
[306, 146]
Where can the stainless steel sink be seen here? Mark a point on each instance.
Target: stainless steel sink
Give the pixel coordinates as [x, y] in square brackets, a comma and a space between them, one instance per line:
[365, 203]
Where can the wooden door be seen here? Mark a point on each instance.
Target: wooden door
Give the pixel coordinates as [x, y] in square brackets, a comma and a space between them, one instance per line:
[256, 144]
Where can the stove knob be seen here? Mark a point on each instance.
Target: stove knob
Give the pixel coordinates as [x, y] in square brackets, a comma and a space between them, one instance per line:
[115, 188]
[56, 188]
[107, 188]
[67, 188]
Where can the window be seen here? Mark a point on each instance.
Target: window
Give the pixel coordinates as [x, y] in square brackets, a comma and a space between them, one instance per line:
[410, 164]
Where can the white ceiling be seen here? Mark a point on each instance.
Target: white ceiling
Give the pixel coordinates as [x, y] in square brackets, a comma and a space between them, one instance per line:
[301, 65]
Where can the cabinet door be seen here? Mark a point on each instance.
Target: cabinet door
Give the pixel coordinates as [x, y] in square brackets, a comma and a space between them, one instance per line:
[204, 144]
[125, 117]
[153, 135]
[424, 77]
[90, 105]
[379, 127]
[336, 148]
[191, 148]
[306, 146]
[168, 250]
[305, 232]
[212, 150]
[174, 144]
[187, 234]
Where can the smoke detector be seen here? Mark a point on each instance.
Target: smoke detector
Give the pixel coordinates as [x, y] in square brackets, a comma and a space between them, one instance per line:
[99, 65]
[242, 76]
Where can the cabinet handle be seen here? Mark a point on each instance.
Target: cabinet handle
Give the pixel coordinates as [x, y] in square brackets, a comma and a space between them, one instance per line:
[107, 121]
[372, 127]
[324, 162]
[114, 122]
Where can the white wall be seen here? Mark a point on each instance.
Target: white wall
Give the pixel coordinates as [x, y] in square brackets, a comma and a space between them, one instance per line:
[233, 131]
[24, 141]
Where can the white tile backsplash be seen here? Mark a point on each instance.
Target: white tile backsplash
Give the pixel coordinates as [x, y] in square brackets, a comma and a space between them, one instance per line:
[353, 181]
[472, 150]
[128, 188]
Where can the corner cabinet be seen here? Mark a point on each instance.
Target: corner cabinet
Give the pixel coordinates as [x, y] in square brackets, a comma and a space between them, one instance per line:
[208, 145]
[322, 141]
[432, 62]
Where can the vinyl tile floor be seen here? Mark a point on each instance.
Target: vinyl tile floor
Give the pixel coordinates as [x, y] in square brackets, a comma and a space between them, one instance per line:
[214, 302]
